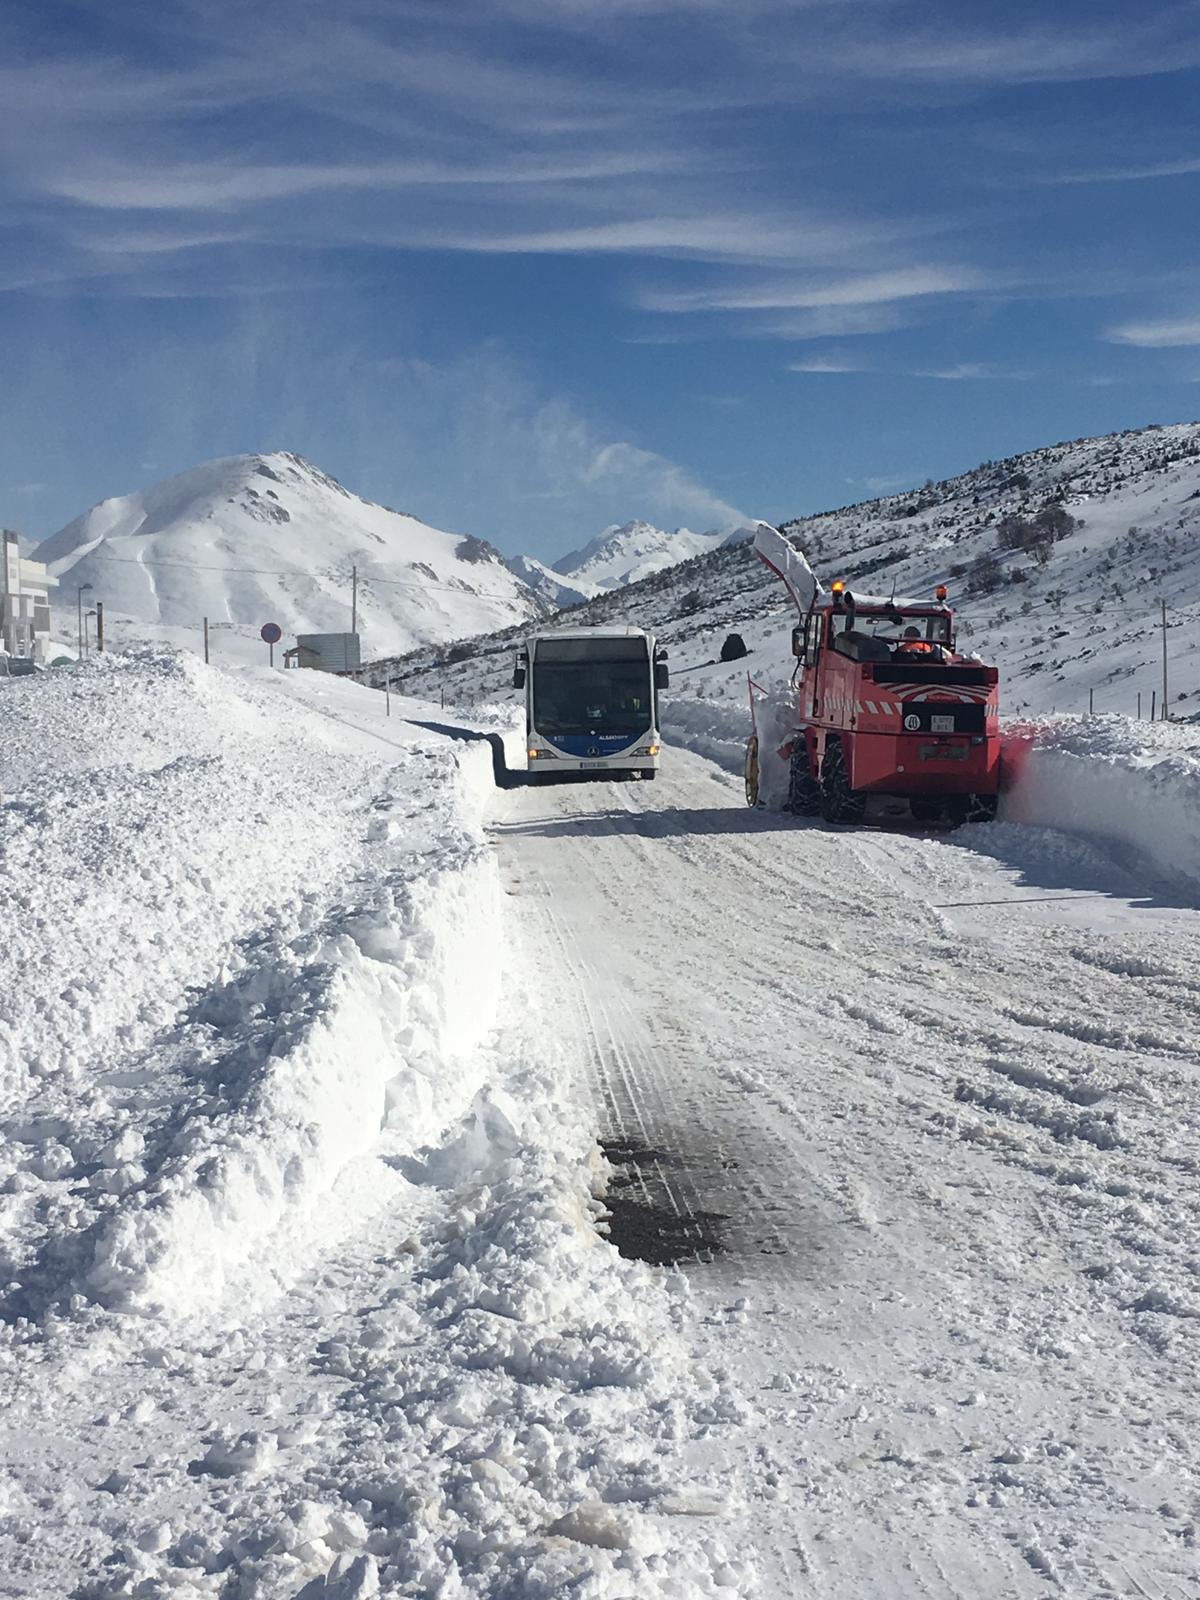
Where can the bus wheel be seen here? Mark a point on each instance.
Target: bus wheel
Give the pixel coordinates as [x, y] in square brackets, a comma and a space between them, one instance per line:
[752, 770]
[649, 774]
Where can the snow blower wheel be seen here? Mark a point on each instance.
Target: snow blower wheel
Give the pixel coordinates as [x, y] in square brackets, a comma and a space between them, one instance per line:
[839, 802]
[804, 792]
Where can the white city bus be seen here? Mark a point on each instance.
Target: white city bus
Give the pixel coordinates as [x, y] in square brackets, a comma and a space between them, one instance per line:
[591, 701]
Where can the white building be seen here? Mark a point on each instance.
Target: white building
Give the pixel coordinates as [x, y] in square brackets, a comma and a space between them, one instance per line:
[24, 602]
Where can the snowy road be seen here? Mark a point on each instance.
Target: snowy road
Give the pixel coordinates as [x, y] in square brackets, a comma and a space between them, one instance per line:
[941, 1091]
[303, 1293]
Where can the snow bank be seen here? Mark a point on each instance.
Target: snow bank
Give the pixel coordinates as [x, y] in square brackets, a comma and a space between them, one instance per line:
[323, 1039]
[511, 1397]
[244, 938]
[1113, 777]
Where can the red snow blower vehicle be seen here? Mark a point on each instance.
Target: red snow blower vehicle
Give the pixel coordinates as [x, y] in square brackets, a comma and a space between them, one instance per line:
[889, 717]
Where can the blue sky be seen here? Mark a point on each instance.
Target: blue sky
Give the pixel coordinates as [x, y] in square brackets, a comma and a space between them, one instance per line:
[525, 267]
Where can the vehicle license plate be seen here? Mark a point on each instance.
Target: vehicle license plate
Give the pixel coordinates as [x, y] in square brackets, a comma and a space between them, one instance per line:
[942, 724]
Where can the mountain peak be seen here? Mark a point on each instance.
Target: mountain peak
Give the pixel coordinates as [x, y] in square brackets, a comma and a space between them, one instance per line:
[270, 536]
[626, 551]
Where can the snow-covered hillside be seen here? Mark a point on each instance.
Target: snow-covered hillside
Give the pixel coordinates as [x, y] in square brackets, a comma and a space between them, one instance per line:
[271, 538]
[624, 553]
[1073, 615]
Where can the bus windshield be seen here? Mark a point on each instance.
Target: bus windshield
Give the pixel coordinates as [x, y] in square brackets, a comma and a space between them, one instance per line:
[592, 686]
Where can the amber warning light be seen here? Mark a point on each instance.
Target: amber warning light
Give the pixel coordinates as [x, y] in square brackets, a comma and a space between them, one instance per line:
[838, 586]
[940, 591]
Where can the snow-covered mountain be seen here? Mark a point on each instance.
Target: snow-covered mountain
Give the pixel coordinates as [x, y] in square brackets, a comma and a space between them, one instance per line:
[624, 553]
[553, 587]
[1057, 561]
[271, 538]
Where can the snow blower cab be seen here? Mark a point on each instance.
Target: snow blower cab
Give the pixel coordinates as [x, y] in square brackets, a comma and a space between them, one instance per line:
[889, 716]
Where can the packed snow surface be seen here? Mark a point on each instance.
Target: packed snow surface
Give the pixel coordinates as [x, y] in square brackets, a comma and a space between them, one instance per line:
[310, 1039]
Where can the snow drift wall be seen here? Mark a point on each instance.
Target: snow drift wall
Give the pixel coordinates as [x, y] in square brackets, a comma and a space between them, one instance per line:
[366, 1024]
[1112, 777]
[252, 931]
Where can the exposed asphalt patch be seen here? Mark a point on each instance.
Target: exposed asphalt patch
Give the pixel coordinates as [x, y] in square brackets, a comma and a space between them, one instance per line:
[650, 1217]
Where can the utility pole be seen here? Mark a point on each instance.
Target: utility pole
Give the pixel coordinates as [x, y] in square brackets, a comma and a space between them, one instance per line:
[1153, 704]
[387, 694]
[79, 613]
[1166, 710]
[100, 627]
[353, 599]
[1139, 705]
[1091, 702]
[206, 641]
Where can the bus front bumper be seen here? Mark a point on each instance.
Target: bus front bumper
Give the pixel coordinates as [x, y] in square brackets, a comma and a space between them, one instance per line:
[550, 762]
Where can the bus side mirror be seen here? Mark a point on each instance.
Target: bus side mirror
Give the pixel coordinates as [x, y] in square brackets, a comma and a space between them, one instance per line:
[662, 675]
[798, 643]
[518, 677]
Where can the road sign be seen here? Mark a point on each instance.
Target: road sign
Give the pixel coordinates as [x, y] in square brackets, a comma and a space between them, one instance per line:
[270, 633]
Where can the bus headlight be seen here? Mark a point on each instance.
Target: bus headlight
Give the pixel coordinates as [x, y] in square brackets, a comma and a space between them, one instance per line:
[542, 755]
[647, 750]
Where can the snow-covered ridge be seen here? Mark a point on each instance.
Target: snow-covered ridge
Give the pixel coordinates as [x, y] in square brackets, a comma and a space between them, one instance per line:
[554, 587]
[623, 553]
[271, 538]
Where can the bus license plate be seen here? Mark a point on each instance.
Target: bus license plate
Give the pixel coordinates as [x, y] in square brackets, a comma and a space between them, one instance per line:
[593, 763]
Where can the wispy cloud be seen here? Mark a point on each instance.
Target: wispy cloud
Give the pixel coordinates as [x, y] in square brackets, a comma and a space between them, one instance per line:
[200, 187]
[646, 478]
[967, 371]
[1133, 173]
[1160, 41]
[851, 289]
[960, 372]
[829, 364]
[502, 441]
[1168, 333]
